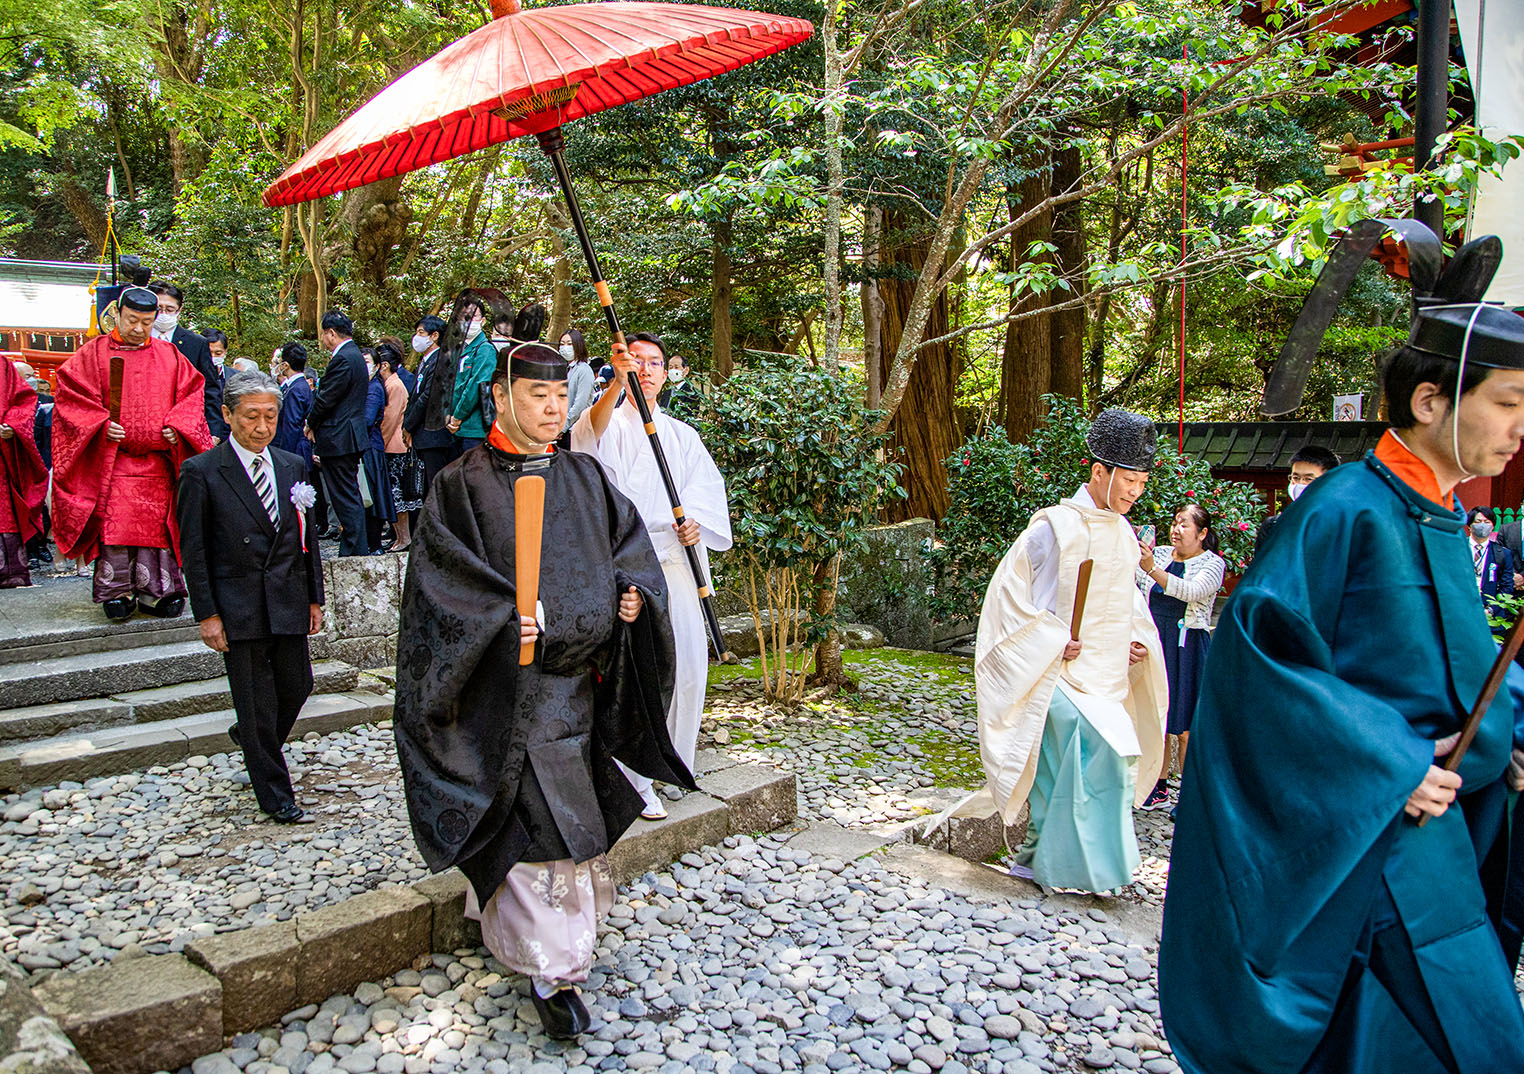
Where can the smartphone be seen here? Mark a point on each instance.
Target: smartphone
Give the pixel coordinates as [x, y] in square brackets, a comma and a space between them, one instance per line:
[1146, 536]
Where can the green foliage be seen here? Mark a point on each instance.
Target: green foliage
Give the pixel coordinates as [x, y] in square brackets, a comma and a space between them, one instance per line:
[805, 473]
[997, 486]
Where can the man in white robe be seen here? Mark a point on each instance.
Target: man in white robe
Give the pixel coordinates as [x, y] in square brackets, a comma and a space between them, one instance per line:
[1065, 724]
[611, 430]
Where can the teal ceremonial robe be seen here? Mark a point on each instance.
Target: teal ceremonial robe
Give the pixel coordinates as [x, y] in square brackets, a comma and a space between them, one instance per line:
[1353, 643]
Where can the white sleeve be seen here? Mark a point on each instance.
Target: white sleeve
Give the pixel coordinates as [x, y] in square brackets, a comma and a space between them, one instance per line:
[702, 490]
[1199, 584]
[1042, 549]
[583, 438]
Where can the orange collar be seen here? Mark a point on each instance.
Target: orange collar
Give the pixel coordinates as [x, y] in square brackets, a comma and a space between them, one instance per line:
[1409, 468]
[499, 439]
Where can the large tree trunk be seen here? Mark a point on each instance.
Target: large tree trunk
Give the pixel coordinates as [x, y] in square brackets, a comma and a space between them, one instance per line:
[560, 275]
[1068, 326]
[1026, 364]
[873, 305]
[377, 220]
[719, 301]
[925, 427]
[835, 187]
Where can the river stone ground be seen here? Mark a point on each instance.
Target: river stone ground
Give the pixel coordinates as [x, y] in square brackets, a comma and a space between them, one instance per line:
[751, 956]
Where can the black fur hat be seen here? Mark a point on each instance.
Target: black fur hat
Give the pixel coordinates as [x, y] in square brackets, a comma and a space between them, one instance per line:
[1120, 438]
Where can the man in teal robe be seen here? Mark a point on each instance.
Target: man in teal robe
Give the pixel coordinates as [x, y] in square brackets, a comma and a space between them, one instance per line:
[1310, 924]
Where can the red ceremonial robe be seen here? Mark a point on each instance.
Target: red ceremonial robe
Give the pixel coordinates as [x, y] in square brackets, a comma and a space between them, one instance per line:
[123, 493]
[22, 470]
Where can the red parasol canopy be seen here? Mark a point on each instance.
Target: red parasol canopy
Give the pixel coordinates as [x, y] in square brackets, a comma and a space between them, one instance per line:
[526, 72]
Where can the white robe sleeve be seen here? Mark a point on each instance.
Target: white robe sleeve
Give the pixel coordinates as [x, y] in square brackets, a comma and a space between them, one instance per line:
[1017, 662]
[703, 491]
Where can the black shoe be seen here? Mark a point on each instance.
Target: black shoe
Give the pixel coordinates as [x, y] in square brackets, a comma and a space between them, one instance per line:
[168, 608]
[233, 734]
[292, 814]
[563, 1015]
[120, 610]
[1157, 798]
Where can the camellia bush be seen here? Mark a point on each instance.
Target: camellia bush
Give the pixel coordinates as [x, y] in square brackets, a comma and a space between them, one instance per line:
[805, 472]
[996, 486]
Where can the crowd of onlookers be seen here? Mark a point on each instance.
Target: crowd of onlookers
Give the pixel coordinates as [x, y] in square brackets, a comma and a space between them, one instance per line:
[403, 444]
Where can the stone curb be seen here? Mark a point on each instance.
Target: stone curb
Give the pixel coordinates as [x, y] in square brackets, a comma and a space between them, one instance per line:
[30, 1041]
[159, 1012]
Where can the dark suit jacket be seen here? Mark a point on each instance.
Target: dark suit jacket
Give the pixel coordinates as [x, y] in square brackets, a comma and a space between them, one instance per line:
[424, 401]
[337, 416]
[237, 564]
[295, 403]
[1511, 535]
[1497, 571]
[199, 353]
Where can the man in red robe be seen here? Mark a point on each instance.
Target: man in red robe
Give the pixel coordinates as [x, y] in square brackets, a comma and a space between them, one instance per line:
[117, 456]
[23, 477]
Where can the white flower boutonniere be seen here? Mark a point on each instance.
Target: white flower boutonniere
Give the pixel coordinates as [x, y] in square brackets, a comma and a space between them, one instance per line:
[303, 497]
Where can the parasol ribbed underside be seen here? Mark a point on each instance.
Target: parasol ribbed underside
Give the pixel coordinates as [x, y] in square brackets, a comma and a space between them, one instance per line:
[613, 52]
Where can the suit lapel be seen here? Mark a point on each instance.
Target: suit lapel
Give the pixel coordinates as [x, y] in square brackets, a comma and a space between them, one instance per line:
[237, 479]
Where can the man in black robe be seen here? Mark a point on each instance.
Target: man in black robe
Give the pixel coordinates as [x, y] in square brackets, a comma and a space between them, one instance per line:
[510, 771]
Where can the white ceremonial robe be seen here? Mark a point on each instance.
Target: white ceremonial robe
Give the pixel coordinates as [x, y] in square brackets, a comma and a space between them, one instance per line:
[1024, 626]
[625, 452]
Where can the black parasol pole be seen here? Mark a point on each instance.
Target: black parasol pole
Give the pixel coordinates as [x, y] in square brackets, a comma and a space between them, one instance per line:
[552, 142]
[1430, 119]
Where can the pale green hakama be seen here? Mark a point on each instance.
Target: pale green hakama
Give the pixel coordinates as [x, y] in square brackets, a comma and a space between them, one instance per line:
[1079, 824]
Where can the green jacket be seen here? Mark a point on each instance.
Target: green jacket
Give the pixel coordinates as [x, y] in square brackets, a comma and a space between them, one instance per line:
[478, 360]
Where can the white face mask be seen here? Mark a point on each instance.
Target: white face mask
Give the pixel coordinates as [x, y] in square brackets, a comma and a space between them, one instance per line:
[165, 322]
[370, 369]
[568, 352]
[1294, 490]
[676, 375]
[473, 330]
[421, 343]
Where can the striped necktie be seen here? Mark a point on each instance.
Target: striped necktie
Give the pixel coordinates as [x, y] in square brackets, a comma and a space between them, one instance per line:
[266, 489]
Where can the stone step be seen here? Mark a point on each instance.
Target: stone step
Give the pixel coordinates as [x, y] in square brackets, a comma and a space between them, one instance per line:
[114, 750]
[51, 645]
[35, 722]
[104, 674]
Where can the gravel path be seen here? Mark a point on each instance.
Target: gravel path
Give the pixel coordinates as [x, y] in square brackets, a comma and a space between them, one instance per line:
[148, 861]
[754, 957]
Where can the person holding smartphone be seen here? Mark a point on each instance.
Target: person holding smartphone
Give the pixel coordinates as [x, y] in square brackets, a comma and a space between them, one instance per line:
[1181, 580]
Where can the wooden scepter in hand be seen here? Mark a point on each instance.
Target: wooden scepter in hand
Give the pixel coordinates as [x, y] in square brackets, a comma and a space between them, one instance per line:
[115, 369]
[1490, 687]
[1081, 594]
[528, 527]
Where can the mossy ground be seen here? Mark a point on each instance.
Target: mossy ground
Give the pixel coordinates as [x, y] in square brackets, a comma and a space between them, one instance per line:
[860, 723]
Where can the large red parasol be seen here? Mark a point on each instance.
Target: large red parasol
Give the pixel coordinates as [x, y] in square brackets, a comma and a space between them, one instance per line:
[528, 72]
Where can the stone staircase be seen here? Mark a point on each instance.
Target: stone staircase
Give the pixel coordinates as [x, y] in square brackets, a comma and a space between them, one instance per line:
[81, 698]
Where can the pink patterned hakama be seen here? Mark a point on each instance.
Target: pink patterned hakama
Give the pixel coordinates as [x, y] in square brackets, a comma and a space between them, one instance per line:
[149, 574]
[543, 919]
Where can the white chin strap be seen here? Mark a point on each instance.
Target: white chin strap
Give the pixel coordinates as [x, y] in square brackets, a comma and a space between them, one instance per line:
[1109, 482]
[1460, 379]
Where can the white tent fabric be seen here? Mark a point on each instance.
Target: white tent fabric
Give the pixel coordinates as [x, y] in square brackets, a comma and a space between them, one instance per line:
[1492, 38]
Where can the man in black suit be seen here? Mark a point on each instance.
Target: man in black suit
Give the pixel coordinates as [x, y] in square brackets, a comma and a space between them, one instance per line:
[166, 326]
[336, 427]
[248, 542]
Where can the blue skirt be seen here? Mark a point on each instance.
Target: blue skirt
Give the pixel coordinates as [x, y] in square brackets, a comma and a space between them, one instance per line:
[1184, 662]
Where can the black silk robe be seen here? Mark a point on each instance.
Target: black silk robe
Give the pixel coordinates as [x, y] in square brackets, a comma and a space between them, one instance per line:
[503, 763]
